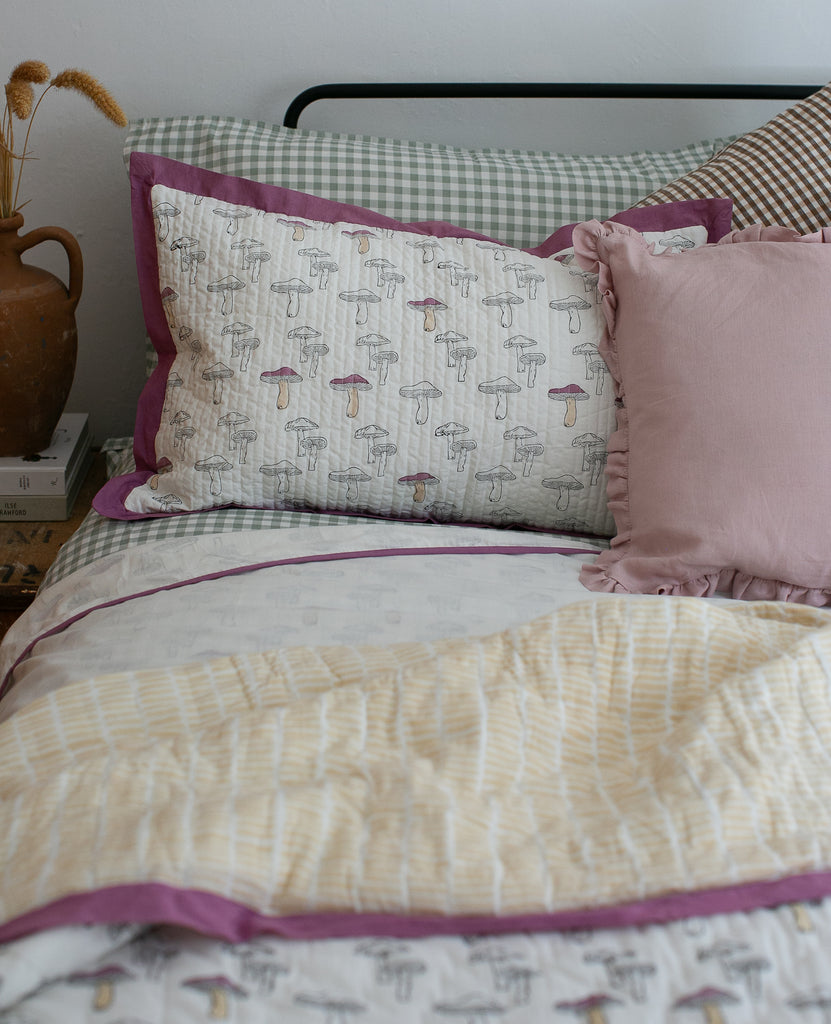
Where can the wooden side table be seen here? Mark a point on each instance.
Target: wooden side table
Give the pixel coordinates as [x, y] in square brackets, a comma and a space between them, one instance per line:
[27, 549]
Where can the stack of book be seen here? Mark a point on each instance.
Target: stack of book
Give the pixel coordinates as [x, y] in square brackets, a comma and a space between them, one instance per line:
[45, 486]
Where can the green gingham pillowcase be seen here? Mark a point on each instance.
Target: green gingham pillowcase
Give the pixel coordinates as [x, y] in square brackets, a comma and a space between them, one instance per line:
[517, 196]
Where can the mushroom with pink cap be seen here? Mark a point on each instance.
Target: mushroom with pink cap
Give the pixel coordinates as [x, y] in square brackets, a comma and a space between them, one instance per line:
[531, 361]
[563, 485]
[226, 286]
[362, 298]
[370, 433]
[162, 213]
[495, 477]
[216, 374]
[451, 430]
[303, 334]
[299, 228]
[214, 466]
[352, 477]
[460, 450]
[282, 472]
[219, 989]
[233, 217]
[282, 377]
[363, 235]
[571, 394]
[419, 483]
[311, 447]
[709, 1001]
[429, 307]
[103, 980]
[294, 288]
[571, 304]
[590, 1007]
[501, 387]
[422, 393]
[352, 385]
[301, 426]
[504, 301]
[427, 247]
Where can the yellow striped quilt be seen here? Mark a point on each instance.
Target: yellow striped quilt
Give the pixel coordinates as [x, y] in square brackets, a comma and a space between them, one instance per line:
[615, 750]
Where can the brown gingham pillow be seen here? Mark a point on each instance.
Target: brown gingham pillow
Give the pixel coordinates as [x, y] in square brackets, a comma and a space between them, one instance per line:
[778, 174]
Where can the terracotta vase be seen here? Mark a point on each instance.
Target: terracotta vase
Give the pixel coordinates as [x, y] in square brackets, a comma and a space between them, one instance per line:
[38, 338]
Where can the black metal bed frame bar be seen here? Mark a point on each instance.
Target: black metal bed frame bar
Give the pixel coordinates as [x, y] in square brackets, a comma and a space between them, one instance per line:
[539, 90]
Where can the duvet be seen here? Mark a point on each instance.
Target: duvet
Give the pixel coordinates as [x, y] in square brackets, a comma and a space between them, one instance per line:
[307, 772]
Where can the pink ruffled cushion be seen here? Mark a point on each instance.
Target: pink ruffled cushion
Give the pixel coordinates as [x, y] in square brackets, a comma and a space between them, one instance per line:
[719, 471]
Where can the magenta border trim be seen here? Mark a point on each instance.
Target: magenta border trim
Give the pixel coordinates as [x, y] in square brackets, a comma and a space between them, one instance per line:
[332, 556]
[220, 917]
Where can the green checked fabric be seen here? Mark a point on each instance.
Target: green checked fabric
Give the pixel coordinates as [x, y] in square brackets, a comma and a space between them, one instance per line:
[519, 197]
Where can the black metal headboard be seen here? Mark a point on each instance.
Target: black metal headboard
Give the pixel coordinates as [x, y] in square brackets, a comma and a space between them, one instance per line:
[539, 90]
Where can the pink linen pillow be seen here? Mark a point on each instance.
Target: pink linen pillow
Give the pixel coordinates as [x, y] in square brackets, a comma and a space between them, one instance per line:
[719, 471]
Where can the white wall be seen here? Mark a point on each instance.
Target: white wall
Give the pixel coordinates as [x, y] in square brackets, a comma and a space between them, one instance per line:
[163, 57]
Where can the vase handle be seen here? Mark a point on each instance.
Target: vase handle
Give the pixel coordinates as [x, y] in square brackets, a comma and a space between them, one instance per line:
[73, 254]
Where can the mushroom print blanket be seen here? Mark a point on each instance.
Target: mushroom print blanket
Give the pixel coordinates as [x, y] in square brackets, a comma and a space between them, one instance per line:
[614, 769]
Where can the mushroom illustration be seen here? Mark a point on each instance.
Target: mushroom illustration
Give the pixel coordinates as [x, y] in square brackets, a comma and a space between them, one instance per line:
[254, 261]
[351, 477]
[195, 346]
[242, 438]
[429, 307]
[518, 269]
[589, 443]
[500, 252]
[461, 449]
[382, 452]
[168, 502]
[312, 447]
[383, 361]
[392, 279]
[530, 280]
[282, 377]
[282, 472]
[530, 361]
[370, 433]
[235, 330]
[571, 395]
[301, 426]
[588, 278]
[163, 466]
[563, 485]
[243, 347]
[181, 436]
[815, 999]
[428, 247]
[363, 235]
[464, 278]
[174, 382]
[313, 351]
[519, 435]
[294, 288]
[504, 515]
[571, 304]
[590, 352]
[162, 213]
[219, 988]
[232, 420]
[214, 466]
[335, 1008]
[460, 357]
[495, 477]
[313, 254]
[676, 243]
[226, 286]
[501, 387]
[600, 372]
[352, 385]
[596, 460]
[372, 343]
[362, 299]
[471, 1008]
[419, 483]
[422, 393]
[709, 1001]
[519, 343]
[527, 454]
[454, 267]
[181, 245]
[504, 301]
[103, 980]
[169, 296]
[303, 334]
[325, 268]
[379, 265]
[450, 338]
[233, 217]
[590, 1007]
[402, 971]
[451, 430]
[299, 228]
[245, 246]
[216, 374]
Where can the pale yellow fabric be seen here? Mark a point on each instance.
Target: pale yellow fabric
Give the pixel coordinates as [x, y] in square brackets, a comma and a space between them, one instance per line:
[611, 751]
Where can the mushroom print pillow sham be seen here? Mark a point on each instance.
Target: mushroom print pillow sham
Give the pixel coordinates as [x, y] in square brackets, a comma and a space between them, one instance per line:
[314, 355]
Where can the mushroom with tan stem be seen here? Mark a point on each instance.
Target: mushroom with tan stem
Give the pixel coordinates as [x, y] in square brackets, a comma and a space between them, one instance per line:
[242, 438]
[504, 301]
[501, 387]
[303, 335]
[531, 361]
[168, 297]
[219, 988]
[563, 485]
[226, 286]
[590, 1007]
[163, 467]
[362, 298]
[282, 377]
[301, 426]
[495, 477]
[282, 472]
[162, 213]
[570, 395]
[422, 393]
[363, 235]
[370, 433]
[103, 980]
[312, 447]
[215, 375]
[429, 307]
[299, 228]
[451, 430]
[709, 1001]
[294, 288]
[383, 361]
[352, 385]
[460, 450]
[233, 217]
[419, 483]
[571, 304]
[352, 477]
[214, 466]
[232, 420]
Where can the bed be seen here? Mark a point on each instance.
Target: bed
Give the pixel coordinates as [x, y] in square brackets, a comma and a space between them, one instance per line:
[451, 639]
